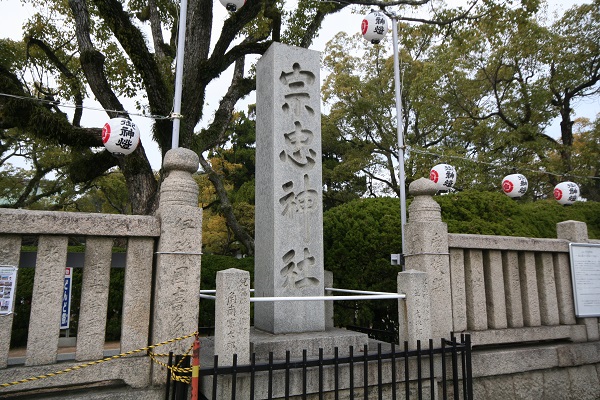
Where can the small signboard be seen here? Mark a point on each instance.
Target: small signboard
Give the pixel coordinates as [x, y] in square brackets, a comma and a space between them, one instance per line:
[8, 286]
[585, 272]
[65, 316]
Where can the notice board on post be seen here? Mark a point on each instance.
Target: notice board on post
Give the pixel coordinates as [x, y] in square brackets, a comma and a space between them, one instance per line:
[585, 274]
[8, 286]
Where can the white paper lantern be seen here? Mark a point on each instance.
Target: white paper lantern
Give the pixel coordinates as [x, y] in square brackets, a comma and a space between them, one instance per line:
[232, 5]
[566, 193]
[514, 185]
[120, 136]
[444, 176]
[374, 27]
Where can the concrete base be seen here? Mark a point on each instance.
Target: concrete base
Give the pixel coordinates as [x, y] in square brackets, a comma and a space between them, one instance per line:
[262, 343]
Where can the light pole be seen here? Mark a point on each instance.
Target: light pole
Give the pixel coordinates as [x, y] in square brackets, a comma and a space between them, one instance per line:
[176, 115]
[400, 133]
[374, 29]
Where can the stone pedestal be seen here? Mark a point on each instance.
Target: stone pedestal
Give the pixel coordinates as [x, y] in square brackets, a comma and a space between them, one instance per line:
[264, 342]
[573, 231]
[289, 211]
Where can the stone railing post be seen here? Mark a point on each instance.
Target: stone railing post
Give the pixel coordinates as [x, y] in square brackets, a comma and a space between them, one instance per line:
[576, 232]
[177, 278]
[232, 316]
[427, 251]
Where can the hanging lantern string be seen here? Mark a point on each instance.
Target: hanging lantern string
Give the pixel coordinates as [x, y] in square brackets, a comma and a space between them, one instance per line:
[58, 103]
[429, 153]
[408, 148]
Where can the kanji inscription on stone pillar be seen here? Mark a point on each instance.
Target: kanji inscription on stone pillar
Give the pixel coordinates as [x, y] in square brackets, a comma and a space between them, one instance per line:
[289, 212]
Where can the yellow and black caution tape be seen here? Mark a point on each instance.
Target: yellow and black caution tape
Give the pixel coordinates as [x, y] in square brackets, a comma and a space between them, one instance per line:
[89, 364]
[179, 369]
[175, 368]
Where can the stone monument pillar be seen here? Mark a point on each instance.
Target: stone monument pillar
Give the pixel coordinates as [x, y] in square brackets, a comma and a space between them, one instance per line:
[289, 211]
[177, 278]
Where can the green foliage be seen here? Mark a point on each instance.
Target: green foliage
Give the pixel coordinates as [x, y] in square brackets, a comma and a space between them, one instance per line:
[489, 213]
[12, 54]
[484, 90]
[114, 310]
[107, 194]
[585, 160]
[359, 238]
[234, 162]
[484, 213]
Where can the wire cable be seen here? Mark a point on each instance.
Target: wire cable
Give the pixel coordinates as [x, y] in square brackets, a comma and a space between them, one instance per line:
[59, 104]
[429, 153]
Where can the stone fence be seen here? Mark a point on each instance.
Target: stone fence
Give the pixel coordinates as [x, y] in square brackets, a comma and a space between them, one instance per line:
[499, 289]
[513, 295]
[160, 300]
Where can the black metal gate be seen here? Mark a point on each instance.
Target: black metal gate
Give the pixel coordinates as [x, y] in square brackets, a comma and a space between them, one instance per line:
[436, 373]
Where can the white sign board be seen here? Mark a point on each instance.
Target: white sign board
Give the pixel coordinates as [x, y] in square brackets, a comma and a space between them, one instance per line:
[585, 273]
[8, 287]
[65, 316]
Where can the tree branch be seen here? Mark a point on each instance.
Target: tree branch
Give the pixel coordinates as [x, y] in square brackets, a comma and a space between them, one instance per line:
[134, 45]
[92, 61]
[216, 132]
[70, 77]
[226, 206]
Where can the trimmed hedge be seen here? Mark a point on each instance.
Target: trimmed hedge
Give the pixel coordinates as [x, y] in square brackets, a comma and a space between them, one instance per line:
[361, 235]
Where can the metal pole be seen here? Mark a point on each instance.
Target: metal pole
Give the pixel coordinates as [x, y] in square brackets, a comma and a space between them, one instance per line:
[179, 74]
[195, 369]
[399, 129]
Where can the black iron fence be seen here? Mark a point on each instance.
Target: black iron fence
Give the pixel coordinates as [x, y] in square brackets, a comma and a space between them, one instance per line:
[442, 372]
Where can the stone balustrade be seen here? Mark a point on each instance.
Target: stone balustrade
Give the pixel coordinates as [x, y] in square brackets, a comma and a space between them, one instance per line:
[161, 286]
[499, 289]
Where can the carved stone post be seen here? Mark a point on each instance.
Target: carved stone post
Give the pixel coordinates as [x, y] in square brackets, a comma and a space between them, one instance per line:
[177, 279]
[232, 316]
[414, 312]
[427, 251]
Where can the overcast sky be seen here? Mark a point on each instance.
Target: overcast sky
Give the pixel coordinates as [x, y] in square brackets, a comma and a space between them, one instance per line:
[14, 13]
